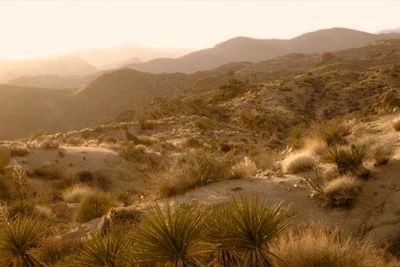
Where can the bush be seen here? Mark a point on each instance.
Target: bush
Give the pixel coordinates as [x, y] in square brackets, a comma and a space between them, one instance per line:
[299, 162]
[244, 169]
[170, 237]
[317, 246]
[240, 233]
[103, 250]
[21, 208]
[76, 193]
[17, 239]
[5, 157]
[93, 206]
[346, 159]
[196, 169]
[382, 154]
[342, 190]
[120, 219]
[55, 250]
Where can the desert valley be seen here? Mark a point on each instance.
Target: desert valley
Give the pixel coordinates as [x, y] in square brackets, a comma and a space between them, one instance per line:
[254, 152]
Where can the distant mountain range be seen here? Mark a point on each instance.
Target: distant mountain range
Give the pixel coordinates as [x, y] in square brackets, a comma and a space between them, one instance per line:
[255, 50]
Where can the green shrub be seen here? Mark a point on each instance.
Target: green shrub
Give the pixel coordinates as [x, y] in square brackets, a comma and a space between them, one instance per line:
[346, 159]
[170, 237]
[93, 206]
[241, 232]
[17, 239]
[103, 250]
[342, 190]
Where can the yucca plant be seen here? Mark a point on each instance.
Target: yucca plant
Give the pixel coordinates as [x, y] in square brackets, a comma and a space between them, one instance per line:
[170, 236]
[103, 251]
[346, 159]
[241, 232]
[17, 238]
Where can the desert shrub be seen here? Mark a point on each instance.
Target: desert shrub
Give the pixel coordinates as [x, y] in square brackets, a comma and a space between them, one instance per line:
[170, 236]
[299, 162]
[137, 153]
[342, 190]
[76, 193]
[346, 159]
[335, 134]
[21, 208]
[382, 153]
[96, 180]
[315, 145]
[55, 250]
[240, 233]
[5, 157]
[103, 250]
[49, 144]
[244, 169]
[316, 246]
[396, 125]
[17, 239]
[144, 124]
[120, 219]
[93, 206]
[19, 151]
[198, 168]
[193, 142]
[49, 170]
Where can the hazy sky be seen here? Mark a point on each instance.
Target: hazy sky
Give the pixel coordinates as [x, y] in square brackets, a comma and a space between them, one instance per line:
[39, 28]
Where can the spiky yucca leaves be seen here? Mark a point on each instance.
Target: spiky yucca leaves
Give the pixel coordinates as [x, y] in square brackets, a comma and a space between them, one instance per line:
[103, 251]
[170, 236]
[241, 232]
[17, 238]
[346, 159]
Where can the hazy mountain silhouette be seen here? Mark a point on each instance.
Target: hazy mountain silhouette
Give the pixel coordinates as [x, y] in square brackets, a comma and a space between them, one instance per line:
[254, 50]
[11, 69]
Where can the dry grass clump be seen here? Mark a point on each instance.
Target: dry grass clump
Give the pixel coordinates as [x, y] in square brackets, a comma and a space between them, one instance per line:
[5, 157]
[49, 170]
[76, 193]
[120, 219]
[55, 250]
[17, 239]
[95, 179]
[382, 153]
[19, 150]
[93, 206]
[49, 144]
[244, 169]
[342, 190]
[396, 125]
[346, 159]
[20, 207]
[197, 168]
[299, 162]
[317, 246]
[241, 233]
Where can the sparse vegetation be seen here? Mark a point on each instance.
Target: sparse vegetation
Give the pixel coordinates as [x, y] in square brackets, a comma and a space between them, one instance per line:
[57, 250]
[335, 134]
[382, 153]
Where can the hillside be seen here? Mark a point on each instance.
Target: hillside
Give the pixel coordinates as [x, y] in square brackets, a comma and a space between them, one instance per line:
[254, 50]
[298, 86]
[12, 69]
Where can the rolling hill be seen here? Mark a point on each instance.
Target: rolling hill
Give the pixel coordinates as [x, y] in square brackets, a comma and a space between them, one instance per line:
[255, 50]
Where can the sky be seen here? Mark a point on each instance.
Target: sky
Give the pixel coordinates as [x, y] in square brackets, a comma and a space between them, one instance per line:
[41, 28]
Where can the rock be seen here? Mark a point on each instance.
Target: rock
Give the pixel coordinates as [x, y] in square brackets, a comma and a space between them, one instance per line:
[84, 229]
[5, 156]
